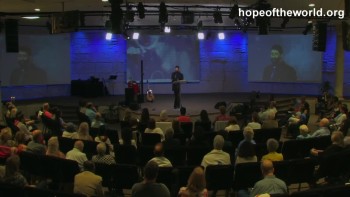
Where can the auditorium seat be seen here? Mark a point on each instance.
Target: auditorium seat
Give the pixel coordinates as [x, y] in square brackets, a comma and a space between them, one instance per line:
[164, 125]
[219, 177]
[196, 154]
[150, 139]
[187, 128]
[246, 175]
[220, 125]
[125, 176]
[176, 155]
[262, 135]
[126, 154]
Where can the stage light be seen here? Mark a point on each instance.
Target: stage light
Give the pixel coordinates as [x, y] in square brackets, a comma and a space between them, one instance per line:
[284, 22]
[217, 17]
[109, 36]
[163, 13]
[104, 0]
[307, 28]
[263, 24]
[37, 9]
[187, 17]
[30, 17]
[135, 35]
[167, 29]
[311, 5]
[234, 11]
[116, 17]
[141, 10]
[200, 36]
[130, 14]
[126, 36]
[237, 23]
[221, 36]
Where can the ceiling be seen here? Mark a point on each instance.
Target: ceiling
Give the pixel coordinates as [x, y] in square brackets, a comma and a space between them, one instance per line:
[17, 8]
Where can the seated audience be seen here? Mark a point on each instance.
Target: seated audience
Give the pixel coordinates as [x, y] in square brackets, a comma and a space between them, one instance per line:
[196, 185]
[232, 125]
[248, 134]
[83, 132]
[53, 148]
[145, 117]
[70, 130]
[159, 156]
[149, 187]
[37, 146]
[21, 141]
[169, 141]
[222, 116]
[163, 116]
[198, 138]
[97, 122]
[270, 122]
[304, 132]
[77, 154]
[336, 146]
[272, 146]
[6, 137]
[87, 182]
[20, 123]
[183, 117]
[151, 128]
[13, 175]
[270, 184]
[254, 124]
[204, 121]
[341, 117]
[246, 153]
[46, 111]
[347, 143]
[102, 137]
[217, 156]
[176, 126]
[127, 137]
[91, 111]
[101, 156]
[323, 130]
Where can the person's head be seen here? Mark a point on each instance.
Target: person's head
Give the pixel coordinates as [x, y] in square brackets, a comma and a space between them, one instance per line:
[79, 145]
[169, 133]
[126, 135]
[198, 132]
[324, 122]
[272, 145]
[83, 128]
[38, 136]
[267, 167]
[204, 116]
[248, 133]
[246, 150]
[218, 142]
[20, 137]
[158, 150]
[150, 171]
[89, 105]
[276, 54]
[151, 123]
[304, 130]
[196, 182]
[176, 125]
[145, 114]
[101, 148]
[344, 109]
[222, 109]
[24, 56]
[89, 166]
[255, 117]
[232, 121]
[271, 115]
[5, 134]
[177, 68]
[46, 106]
[12, 165]
[337, 138]
[53, 145]
[163, 115]
[183, 111]
[71, 128]
[19, 116]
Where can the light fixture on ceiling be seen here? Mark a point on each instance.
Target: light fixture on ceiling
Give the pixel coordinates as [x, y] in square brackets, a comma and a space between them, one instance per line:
[311, 5]
[109, 36]
[234, 11]
[221, 36]
[308, 27]
[217, 16]
[167, 29]
[284, 22]
[37, 9]
[135, 35]
[163, 13]
[200, 36]
[141, 10]
[30, 17]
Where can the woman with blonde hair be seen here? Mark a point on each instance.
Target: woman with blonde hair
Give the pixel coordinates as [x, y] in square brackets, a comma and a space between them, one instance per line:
[83, 132]
[53, 148]
[196, 185]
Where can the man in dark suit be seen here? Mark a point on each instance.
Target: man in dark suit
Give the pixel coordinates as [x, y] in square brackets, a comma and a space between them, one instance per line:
[175, 77]
[278, 70]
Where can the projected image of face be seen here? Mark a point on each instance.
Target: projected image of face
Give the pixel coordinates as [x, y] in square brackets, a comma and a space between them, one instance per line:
[23, 58]
[275, 56]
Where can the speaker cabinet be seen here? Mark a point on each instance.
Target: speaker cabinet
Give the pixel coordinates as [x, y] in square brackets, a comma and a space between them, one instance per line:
[11, 35]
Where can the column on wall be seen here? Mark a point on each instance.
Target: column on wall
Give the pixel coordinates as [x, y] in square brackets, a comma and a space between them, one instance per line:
[339, 63]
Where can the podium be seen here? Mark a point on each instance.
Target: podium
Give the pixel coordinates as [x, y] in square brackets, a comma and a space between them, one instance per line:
[179, 82]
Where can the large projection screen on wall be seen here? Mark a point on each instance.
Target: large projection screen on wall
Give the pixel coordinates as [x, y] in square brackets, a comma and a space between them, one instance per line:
[42, 60]
[160, 54]
[283, 58]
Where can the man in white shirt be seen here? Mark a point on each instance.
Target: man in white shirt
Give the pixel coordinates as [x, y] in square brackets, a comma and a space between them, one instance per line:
[77, 154]
[217, 156]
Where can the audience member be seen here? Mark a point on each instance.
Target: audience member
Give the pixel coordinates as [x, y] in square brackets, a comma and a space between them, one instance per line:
[195, 185]
[270, 184]
[217, 156]
[101, 156]
[159, 156]
[341, 117]
[163, 116]
[21, 141]
[323, 130]
[304, 132]
[347, 143]
[87, 182]
[90, 111]
[222, 116]
[270, 122]
[149, 187]
[37, 146]
[272, 146]
[248, 134]
[151, 128]
[232, 125]
[176, 126]
[198, 138]
[46, 111]
[53, 148]
[337, 145]
[145, 117]
[83, 132]
[6, 137]
[254, 124]
[127, 137]
[12, 172]
[97, 122]
[246, 153]
[183, 117]
[70, 130]
[204, 120]
[76, 154]
[169, 141]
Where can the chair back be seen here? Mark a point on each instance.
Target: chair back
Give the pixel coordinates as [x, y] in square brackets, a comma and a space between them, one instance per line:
[219, 177]
[125, 154]
[164, 125]
[246, 175]
[220, 125]
[126, 176]
[187, 128]
[150, 139]
[262, 135]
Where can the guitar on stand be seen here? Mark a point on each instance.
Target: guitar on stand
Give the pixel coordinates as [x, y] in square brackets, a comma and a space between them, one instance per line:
[149, 96]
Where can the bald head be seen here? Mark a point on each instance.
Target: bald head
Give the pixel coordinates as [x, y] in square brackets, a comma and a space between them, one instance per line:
[337, 138]
[324, 122]
[267, 167]
[79, 145]
[158, 150]
[219, 142]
